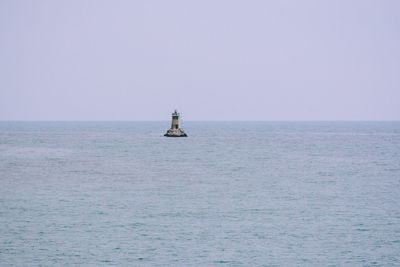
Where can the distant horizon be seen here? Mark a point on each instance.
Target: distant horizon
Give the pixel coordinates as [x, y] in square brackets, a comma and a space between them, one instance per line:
[200, 120]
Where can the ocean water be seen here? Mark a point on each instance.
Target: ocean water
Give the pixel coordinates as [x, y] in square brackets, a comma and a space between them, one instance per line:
[231, 194]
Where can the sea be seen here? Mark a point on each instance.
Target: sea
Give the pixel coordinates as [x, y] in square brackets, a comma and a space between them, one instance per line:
[230, 194]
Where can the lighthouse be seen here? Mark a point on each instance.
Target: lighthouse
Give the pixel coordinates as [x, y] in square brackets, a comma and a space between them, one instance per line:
[175, 131]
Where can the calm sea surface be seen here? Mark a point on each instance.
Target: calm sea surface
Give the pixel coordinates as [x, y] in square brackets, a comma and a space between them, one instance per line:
[231, 194]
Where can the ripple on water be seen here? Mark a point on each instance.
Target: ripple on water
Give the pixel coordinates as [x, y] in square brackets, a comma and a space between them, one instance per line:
[279, 194]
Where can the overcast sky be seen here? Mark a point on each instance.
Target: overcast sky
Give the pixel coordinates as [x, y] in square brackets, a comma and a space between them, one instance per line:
[212, 60]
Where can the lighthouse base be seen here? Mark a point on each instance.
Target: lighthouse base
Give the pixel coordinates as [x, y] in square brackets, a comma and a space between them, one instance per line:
[175, 133]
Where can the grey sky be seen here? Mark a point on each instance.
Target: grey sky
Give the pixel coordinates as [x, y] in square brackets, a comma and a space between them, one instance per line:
[213, 60]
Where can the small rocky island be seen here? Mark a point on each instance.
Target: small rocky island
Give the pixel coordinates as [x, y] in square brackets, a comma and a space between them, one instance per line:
[175, 131]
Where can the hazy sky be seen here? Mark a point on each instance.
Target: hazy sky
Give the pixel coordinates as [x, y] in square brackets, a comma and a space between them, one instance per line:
[213, 60]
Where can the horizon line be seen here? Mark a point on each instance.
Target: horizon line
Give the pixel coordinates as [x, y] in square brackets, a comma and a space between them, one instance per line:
[18, 120]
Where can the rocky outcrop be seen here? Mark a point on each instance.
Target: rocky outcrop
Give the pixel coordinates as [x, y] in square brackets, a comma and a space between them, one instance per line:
[175, 133]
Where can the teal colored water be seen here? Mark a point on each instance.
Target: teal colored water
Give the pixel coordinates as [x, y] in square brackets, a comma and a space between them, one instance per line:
[231, 194]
